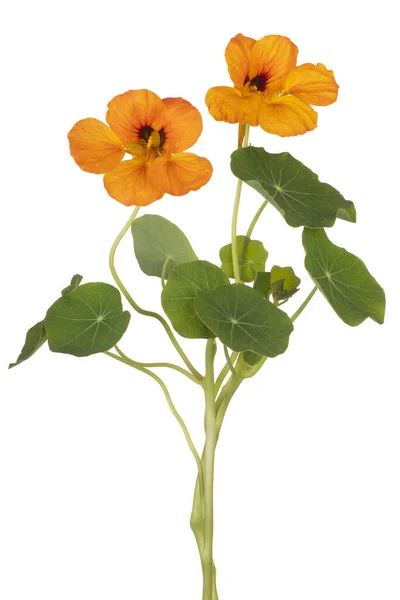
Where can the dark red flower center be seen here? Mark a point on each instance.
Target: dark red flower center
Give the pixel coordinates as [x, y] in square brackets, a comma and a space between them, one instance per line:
[146, 131]
[259, 82]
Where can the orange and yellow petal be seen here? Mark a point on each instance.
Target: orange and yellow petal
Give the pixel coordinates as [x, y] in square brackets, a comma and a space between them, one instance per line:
[313, 84]
[272, 56]
[94, 147]
[237, 56]
[131, 183]
[183, 125]
[179, 174]
[287, 116]
[233, 105]
[128, 113]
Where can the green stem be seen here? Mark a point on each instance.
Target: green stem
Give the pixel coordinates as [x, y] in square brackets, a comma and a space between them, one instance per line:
[255, 219]
[302, 306]
[224, 371]
[135, 306]
[208, 470]
[235, 260]
[171, 405]
[160, 364]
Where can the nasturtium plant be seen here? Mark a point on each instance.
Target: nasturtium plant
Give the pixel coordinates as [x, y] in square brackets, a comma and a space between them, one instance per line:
[237, 312]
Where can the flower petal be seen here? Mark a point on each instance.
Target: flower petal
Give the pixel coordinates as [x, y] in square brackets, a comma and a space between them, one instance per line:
[183, 125]
[273, 56]
[128, 113]
[131, 183]
[287, 115]
[179, 174]
[94, 147]
[233, 105]
[313, 84]
[237, 56]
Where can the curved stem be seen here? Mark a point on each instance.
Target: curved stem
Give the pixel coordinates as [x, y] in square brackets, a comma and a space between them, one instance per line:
[171, 405]
[302, 306]
[160, 364]
[224, 372]
[255, 219]
[229, 361]
[235, 260]
[135, 306]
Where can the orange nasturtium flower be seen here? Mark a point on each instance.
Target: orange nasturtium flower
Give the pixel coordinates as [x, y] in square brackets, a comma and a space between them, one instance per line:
[155, 133]
[270, 90]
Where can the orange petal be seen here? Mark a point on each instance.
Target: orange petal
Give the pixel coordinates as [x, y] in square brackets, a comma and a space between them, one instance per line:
[94, 147]
[237, 56]
[273, 56]
[179, 174]
[128, 113]
[131, 183]
[183, 125]
[313, 84]
[287, 115]
[233, 105]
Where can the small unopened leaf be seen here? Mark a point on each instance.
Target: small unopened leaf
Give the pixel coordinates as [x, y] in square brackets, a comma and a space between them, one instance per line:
[75, 281]
[284, 283]
[35, 338]
[292, 188]
[343, 279]
[244, 320]
[178, 296]
[252, 257]
[86, 321]
[158, 242]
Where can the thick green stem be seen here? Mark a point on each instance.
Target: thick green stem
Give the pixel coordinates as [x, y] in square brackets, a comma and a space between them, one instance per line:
[235, 260]
[208, 473]
[135, 306]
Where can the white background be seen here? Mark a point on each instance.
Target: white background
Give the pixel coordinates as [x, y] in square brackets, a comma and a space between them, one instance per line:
[96, 479]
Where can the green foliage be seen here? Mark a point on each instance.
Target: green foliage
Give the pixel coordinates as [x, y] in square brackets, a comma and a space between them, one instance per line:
[343, 279]
[157, 240]
[252, 257]
[178, 296]
[88, 320]
[291, 187]
[243, 320]
[252, 358]
[35, 338]
[284, 283]
[262, 283]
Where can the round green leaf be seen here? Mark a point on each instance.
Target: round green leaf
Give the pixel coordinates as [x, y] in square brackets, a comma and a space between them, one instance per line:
[88, 320]
[156, 241]
[244, 320]
[292, 188]
[284, 283]
[252, 257]
[343, 279]
[178, 296]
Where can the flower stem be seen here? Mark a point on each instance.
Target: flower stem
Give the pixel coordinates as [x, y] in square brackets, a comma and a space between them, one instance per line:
[235, 261]
[135, 306]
